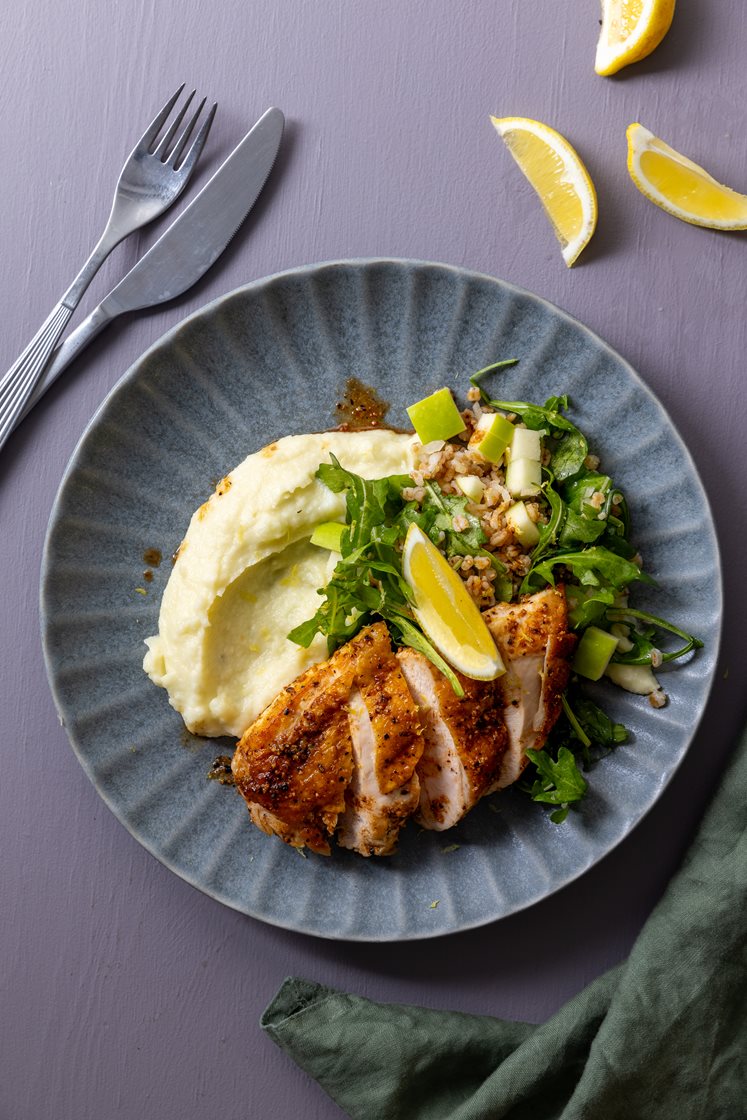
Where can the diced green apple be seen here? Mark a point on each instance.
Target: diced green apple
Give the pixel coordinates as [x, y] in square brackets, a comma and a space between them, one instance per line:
[328, 535]
[492, 435]
[525, 530]
[436, 417]
[471, 486]
[594, 652]
[523, 477]
[526, 444]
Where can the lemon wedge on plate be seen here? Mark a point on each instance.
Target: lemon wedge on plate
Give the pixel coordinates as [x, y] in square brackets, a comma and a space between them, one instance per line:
[559, 178]
[631, 29]
[446, 611]
[681, 187]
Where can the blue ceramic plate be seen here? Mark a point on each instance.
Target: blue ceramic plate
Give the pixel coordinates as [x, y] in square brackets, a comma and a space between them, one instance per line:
[271, 359]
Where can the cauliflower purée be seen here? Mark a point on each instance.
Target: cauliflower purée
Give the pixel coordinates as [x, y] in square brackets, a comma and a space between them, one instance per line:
[246, 574]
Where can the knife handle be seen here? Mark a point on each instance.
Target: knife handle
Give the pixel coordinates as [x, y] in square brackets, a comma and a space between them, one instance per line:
[64, 354]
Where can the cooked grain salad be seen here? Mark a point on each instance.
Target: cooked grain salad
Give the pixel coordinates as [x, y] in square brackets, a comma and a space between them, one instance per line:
[444, 463]
[514, 499]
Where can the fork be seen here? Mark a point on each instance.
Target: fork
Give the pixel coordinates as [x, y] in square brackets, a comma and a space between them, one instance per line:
[153, 177]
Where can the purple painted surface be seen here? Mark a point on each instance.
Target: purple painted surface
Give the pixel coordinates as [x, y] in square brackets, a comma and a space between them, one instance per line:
[124, 992]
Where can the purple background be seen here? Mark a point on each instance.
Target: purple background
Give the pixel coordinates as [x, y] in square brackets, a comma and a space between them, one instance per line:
[124, 993]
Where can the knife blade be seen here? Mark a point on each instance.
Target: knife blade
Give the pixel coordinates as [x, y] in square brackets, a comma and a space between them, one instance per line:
[190, 245]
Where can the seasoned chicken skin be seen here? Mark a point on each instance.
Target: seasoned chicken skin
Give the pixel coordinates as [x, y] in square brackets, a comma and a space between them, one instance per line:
[358, 743]
[295, 762]
[338, 745]
[533, 640]
[465, 741]
[387, 745]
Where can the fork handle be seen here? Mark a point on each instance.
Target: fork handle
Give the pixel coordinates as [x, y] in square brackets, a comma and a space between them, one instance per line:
[18, 383]
[111, 236]
[17, 387]
[64, 354]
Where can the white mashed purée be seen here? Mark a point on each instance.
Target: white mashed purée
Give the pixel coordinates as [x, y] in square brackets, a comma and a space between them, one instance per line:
[246, 574]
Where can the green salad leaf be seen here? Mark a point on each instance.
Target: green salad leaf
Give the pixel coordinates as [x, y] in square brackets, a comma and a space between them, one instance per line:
[559, 781]
[602, 732]
[438, 512]
[643, 633]
[583, 733]
[367, 582]
[595, 567]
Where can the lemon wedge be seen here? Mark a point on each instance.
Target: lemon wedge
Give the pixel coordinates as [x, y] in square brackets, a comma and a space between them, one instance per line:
[631, 29]
[559, 178]
[447, 612]
[681, 187]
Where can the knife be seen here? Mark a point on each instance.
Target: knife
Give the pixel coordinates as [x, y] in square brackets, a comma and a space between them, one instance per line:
[191, 244]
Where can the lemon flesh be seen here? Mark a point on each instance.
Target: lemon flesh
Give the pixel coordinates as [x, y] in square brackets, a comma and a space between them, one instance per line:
[447, 612]
[681, 187]
[631, 30]
[558, 176]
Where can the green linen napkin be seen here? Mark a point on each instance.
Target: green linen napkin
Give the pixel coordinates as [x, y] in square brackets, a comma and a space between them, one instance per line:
[663, 1035]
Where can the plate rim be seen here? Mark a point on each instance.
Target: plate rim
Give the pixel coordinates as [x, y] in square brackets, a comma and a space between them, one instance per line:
[131, 373]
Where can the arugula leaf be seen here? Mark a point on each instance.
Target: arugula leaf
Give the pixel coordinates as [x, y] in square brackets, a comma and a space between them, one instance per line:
[436, 519]
[580, 529]
[559, 781]
[550, 531]
[596, 566]
[583, 732]
[571, 449]
[465, 542]
[576, 727]
[643, 635]
[537, 416]
[569, 454]
[494, 367]
[597, 724]
[413, 637]
[587, 604]
[367, 581]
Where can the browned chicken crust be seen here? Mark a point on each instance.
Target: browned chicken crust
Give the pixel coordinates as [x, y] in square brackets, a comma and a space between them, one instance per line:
[361, 742]
[465, 740]
[387, 745]
[295, 764]
[533, 639]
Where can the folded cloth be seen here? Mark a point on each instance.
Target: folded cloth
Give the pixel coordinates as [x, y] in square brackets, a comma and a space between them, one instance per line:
[663, 1035]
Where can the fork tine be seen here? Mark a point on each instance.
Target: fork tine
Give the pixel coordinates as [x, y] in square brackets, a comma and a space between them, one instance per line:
[178, 147]
[155, 127]
[162, 150]
[198, 143]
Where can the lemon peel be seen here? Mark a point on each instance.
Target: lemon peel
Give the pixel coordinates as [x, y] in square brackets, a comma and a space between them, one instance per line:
[631, 30]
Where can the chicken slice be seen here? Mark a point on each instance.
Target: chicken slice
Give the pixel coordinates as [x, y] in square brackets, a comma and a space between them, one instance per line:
[347, 724]
[387, 746]
[294, 763]
[533, 639]
[465, 740]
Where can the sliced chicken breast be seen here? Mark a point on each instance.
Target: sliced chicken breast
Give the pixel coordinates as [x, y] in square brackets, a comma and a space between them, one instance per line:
[387, 746]
[358, 743]
[337, 748]
[295, 762]
[465, 741]
[533, 639]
